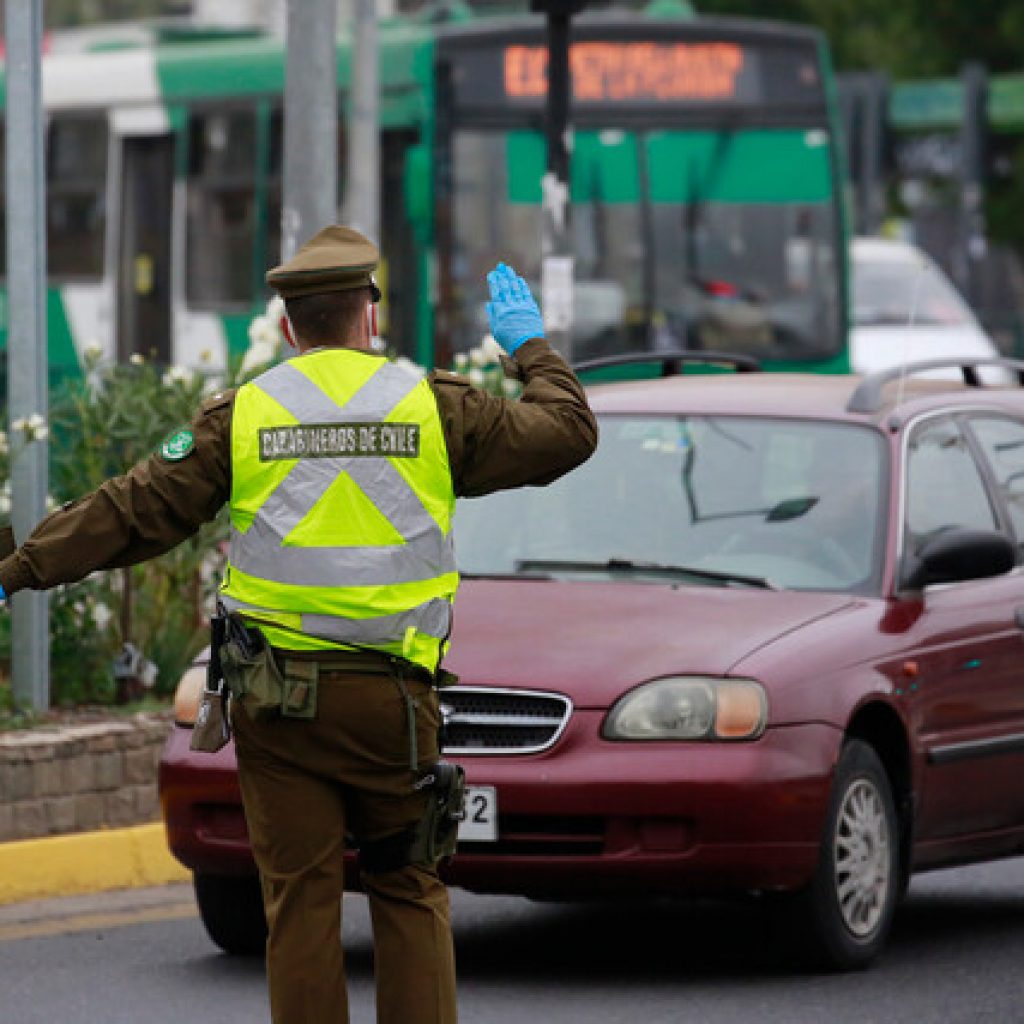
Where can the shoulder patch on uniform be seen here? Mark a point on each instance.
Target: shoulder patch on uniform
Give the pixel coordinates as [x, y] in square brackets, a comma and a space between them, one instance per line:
[178, 445]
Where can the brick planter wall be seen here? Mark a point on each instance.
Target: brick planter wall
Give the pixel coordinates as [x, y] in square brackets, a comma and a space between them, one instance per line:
[76, 778]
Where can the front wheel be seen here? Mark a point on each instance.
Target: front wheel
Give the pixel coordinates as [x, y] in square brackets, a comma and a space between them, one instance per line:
[231, 907]
[845, 914]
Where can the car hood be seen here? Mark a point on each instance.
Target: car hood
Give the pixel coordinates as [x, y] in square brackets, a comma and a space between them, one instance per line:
[592, 641]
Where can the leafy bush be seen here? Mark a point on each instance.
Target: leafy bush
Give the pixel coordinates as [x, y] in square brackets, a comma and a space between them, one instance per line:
[101, 425]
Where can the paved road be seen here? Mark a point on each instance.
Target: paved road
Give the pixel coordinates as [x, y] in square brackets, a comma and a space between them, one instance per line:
[142, 958]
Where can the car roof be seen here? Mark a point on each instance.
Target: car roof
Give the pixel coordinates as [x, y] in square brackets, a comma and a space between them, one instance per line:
[798, 396]
[887, 250]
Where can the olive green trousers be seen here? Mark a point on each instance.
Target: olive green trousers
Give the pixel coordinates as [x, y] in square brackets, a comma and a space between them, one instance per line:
[305, 784]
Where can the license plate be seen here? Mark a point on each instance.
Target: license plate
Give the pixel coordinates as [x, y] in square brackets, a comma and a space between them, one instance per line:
[481, 822]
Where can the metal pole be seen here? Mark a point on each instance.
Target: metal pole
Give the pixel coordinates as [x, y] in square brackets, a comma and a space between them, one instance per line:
[26, 336]
[557, 268]
[873, 127]
[362, 179]
[973, 132]
[310, 123]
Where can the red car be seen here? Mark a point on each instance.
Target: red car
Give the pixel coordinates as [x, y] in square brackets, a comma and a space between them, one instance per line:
[768, 639]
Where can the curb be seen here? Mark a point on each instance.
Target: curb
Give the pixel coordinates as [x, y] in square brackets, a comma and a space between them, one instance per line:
[87, 862]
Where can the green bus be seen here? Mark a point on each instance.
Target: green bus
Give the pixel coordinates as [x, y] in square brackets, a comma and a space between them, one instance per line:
[706, 187]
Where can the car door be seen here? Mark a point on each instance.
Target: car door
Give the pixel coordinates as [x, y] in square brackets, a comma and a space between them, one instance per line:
[965, 704]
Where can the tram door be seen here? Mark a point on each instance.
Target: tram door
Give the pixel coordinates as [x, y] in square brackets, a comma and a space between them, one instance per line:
[144, 264]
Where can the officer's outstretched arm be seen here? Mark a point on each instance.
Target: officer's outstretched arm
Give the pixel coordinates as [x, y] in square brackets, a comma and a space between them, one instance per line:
[151, 509]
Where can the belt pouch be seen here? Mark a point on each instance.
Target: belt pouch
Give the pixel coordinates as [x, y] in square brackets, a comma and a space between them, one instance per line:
[251, 671]
[300, 685]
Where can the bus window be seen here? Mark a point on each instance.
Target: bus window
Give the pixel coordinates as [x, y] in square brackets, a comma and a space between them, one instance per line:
[76, 182]
[221, 207]
[699, 239]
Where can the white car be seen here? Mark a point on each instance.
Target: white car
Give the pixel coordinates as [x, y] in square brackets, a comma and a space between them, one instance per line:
[906, 309]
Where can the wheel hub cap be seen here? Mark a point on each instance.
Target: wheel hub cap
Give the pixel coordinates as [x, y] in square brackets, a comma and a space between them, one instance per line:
[862, 862]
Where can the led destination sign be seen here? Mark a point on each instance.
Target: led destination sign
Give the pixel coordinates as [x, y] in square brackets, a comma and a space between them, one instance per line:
[507, 77]
[608, 72]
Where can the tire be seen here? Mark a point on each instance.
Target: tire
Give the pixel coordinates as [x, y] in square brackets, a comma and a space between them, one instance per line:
[231, 908]
[842, 919]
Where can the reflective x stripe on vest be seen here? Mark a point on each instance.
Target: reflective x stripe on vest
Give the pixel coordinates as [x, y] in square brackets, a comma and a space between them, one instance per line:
[321, 582]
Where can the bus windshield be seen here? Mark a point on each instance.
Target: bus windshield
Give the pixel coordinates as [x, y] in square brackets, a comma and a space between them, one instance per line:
[704, 239]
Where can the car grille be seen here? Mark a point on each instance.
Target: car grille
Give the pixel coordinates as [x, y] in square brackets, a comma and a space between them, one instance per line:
[481, 720]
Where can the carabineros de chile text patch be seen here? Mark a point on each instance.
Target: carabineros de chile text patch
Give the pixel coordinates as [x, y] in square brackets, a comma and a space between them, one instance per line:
[340, 440]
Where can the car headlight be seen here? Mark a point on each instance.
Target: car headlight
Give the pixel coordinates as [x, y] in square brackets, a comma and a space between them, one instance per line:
[189, 694]
[689, 708]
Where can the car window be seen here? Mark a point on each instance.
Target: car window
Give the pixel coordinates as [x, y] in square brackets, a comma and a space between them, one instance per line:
[1002, 441]
[794, 502]
[944, 485]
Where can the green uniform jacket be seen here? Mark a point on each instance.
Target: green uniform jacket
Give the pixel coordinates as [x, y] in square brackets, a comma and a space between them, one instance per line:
[493, 444]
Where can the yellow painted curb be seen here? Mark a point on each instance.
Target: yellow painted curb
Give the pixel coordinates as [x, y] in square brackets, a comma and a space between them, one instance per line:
[86, 862]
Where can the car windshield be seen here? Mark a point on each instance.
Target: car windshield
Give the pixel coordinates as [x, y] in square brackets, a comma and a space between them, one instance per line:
[713, 500]
[904, 292]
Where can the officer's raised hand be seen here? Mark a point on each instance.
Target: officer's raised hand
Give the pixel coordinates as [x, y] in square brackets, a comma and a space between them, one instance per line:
[512, 312]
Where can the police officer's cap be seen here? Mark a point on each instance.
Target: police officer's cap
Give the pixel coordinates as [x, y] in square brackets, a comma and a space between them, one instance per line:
[333, 260]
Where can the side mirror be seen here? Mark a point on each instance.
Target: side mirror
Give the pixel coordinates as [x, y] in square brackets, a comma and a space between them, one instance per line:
[958, 554]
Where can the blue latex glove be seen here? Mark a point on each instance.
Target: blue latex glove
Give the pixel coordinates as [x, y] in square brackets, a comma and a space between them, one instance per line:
[512, 313]
[3, 596]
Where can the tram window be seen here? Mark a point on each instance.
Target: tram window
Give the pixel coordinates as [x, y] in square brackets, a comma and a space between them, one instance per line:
[221, 207]
[76, 171]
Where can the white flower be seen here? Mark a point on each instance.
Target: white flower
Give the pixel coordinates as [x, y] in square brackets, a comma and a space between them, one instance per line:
[509, 387]
[259, 354]
[178, 375]
[137, 359]
[36, 428]
[275, 309]
[461, 361]
[258, 329]
[93, 351]
[491, 349]
[4, 444]
[478, 357]
[101, 615]
[5, 505]
[477, 377]
[33, 427]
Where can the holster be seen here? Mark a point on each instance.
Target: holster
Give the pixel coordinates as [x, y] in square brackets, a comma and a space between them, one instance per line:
[433, 838]
[212, 728]
[254, 677]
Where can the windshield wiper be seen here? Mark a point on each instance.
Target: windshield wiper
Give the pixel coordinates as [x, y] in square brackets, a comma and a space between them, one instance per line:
[627, 565]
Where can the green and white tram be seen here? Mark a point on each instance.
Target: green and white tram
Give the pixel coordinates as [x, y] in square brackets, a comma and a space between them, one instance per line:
[707, 200]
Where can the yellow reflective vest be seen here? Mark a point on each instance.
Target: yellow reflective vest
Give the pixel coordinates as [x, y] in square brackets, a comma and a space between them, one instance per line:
[341, 508]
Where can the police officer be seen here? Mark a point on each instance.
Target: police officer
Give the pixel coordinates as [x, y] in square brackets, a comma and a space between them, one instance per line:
[341, 470]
